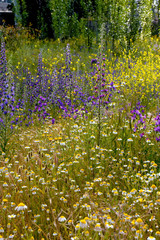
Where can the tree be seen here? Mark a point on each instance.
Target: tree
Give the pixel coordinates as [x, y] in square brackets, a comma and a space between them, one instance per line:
[35, 13]
[146, 16]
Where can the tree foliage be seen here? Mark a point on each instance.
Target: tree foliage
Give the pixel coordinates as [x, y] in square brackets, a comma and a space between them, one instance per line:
[125, 20]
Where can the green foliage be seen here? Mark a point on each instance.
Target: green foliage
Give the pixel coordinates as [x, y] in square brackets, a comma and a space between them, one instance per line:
[16, 10]
[24, 13]
[59, 18]
[125, 20]
[145, 11]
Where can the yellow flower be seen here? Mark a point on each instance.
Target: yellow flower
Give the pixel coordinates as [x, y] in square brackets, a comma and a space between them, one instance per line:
[154, 187]
[158, 233]
[139, 221]
[83, 223]
[98, 228]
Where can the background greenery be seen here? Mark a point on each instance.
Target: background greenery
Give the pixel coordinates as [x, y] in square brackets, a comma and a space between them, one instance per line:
[125, 20]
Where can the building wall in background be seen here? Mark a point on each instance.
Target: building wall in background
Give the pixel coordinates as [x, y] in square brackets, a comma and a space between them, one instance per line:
[6, 14]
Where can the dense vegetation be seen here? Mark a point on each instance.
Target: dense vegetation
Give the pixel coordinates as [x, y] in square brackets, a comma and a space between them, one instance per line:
[80, 121]
[124, 20]
[79, 139]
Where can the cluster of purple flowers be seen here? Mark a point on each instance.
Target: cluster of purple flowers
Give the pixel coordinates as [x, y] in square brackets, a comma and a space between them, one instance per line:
[48, 93]
[138, 118]
[103, 90]
[3, 70]
[8, 106]
[57, 91]
[40, 108]
[7, 92]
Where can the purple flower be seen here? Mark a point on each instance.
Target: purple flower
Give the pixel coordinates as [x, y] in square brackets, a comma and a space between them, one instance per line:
[53, 120]
[158, 139]
[141, 135]
[93, 61]
[157, 129]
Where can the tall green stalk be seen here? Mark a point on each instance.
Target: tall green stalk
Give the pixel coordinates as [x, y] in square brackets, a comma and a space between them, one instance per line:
[101, 47]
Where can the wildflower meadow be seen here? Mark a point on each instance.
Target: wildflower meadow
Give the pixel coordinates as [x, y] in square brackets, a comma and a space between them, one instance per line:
[79, 140]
